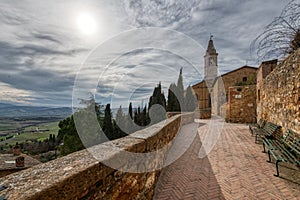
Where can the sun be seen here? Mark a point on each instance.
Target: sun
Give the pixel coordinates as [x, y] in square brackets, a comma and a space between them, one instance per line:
[86, 23]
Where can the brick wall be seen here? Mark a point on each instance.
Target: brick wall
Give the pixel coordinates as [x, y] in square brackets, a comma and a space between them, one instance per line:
[81, 176]
[280, 92]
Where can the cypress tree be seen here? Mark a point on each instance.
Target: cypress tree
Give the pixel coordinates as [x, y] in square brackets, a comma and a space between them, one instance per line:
[107, 123]
[130, 110]
[180, 92]
[144, 117]
[157, 97]
[120, 123]
[135, 117]
[173, 103]
[190, 100]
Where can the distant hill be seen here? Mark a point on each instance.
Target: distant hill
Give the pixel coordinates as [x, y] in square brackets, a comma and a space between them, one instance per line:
[14, 111]
[5, 105]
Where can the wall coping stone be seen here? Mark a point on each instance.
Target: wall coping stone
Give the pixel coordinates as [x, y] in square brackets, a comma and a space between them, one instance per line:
[60, 178]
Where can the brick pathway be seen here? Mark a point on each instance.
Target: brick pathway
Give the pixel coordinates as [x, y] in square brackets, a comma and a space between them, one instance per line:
[236, 168]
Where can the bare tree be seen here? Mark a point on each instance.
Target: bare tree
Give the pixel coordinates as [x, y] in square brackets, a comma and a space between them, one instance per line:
[282, 36]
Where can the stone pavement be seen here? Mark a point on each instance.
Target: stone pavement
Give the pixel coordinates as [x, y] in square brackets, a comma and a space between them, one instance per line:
[235, 168]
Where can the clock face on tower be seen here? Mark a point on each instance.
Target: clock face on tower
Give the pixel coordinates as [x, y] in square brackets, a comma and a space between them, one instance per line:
[211, 61]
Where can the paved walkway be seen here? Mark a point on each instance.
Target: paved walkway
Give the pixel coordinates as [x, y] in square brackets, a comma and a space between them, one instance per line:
[235, 168]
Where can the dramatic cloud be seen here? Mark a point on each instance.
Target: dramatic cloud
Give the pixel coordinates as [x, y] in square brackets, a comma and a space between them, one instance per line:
[41, 48]
[162, 13]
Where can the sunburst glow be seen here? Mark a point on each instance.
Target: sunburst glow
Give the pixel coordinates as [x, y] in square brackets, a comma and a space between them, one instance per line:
[86, 23]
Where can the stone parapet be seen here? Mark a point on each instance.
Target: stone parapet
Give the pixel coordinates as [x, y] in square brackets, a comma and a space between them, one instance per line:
[83, 176]
[205, 113]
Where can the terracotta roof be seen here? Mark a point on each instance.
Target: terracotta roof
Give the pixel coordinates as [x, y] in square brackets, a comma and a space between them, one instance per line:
[239, 69]
[215, 80]
[228, 73]
[7, 161]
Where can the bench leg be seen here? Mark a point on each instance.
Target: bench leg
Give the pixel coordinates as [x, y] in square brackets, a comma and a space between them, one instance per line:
[264, 151]
[277, 168]
[269, 154]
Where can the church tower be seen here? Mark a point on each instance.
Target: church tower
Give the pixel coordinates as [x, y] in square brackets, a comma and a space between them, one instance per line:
[211, 61]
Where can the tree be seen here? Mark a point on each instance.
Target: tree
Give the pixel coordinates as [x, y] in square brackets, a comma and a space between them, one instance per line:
[157, 97]
[157, 113]
[281, 37]
[120, 116]
[130, 110]
[190, 100]
[129, 127]
[120, 123]
[145, 117]
[68, 133]
[180, 90]
[176, 95]
[70, 136]
[107, 123]
[172, 103]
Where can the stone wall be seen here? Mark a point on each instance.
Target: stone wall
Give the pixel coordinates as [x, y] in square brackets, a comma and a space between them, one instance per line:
[263, 71]
[81, 176]
[7, 172]
[280, 94]
[172, 114]
[241, 106]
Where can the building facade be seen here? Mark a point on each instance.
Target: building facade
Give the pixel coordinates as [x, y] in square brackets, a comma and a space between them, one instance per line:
[203, 89]
[245, 75]
[212, 92]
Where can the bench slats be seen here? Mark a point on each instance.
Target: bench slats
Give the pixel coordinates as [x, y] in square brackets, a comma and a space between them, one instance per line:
[261, 122]
[285, 149]
[270, 130]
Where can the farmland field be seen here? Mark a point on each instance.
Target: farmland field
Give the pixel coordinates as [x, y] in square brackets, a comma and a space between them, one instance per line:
[39, 132]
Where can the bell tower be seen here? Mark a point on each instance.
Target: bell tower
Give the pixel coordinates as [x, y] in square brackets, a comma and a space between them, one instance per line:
[211, 61]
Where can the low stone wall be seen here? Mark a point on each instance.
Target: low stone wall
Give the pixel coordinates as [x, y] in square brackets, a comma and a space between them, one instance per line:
[6, 172]
[172, 114]
[81, 176]
[280, 94]
[205, 113]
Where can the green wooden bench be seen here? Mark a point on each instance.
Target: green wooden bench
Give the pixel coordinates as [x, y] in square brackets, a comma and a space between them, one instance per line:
[287, 149]
[275, 140]
[268, 131]
[261, 122]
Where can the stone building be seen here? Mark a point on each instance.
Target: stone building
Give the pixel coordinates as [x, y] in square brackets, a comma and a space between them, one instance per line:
[241, 106]
[204, 88]
[212, 91]
[9, 163]
[245, 75]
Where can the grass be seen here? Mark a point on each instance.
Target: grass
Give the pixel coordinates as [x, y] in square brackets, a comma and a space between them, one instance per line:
[52, 127]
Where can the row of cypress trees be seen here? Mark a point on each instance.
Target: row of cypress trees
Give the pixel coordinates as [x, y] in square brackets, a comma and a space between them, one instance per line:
[136, 118]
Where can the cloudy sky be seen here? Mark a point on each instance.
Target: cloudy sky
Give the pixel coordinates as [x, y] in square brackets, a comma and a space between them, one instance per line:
[53, 52]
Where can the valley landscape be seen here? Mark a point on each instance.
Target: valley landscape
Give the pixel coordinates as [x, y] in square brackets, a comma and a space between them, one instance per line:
[27, 124]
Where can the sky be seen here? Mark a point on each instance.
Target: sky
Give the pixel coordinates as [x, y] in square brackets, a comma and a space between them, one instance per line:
[54, 53]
